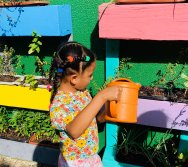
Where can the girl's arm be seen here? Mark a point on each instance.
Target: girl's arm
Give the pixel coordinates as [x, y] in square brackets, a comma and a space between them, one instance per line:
[85, 117]
[101, 115]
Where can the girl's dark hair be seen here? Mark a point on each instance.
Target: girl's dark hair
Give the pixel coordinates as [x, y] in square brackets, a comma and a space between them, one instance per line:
[70, 58]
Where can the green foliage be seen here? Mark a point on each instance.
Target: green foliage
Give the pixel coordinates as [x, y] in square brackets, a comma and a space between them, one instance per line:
[35, 47]
[30, 79]
[25, 123]
[124, 65]
[170, 77]
[6, 61]
[40, 67]
[3, 120]
[154, 151]
[145, 144]
[182, 157]
[9, 61]
[185, 77]
[120, 71]
[35, 44]
[19, 123]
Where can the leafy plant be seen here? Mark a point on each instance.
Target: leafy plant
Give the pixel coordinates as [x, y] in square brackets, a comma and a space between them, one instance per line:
[3, 120]
[9, 61]
[120, 71]
[152, 151]
[27, 123]
[46, 130]
[146, 145]
[170, 78]
[35, 44]
[30, 79]
[182, 158]
[35, 47]
[40, 66]
[6, 59]
[17, 122]
[185, 77]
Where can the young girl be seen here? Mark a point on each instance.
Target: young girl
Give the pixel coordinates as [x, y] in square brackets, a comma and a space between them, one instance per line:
[73, 112]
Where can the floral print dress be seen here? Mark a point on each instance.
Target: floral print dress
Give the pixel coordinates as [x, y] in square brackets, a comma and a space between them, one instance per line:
[63, 110]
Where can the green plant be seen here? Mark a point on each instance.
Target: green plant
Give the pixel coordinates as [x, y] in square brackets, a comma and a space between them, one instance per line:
[27, 123]
[119, 72]
[3, 120]
[169, 79]
[30, 79]
[46, 130]
[153, 151]
[6, 61]
[35, 44]
[142, 145]
[40, 67]
[182, 158]
[18, 123]
[9, 61]
[35, 47]
[185, 77]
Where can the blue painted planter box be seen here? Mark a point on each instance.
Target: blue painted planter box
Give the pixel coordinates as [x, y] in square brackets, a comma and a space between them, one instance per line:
[51, 20]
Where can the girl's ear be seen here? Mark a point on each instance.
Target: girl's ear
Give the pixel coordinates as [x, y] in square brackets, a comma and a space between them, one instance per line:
[74, 79]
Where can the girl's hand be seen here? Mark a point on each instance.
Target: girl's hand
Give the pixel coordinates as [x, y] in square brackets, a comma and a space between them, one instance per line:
[111, 93]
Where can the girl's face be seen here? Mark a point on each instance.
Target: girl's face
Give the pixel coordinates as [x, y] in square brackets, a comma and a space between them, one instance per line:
[85, 78]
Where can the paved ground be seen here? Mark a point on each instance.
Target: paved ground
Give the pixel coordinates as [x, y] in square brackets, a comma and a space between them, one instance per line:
[12, 162]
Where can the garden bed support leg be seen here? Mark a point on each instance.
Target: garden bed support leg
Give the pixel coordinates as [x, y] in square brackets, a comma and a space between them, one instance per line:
[112, 61]
[183, 145]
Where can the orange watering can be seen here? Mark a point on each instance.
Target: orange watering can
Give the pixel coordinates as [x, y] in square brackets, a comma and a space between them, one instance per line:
[124, 110]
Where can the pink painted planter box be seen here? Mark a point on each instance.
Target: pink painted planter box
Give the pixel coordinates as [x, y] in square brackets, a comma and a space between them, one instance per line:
[144, 21]
[163, 114]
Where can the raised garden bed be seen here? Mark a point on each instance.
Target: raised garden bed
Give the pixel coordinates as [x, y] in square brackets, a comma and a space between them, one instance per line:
[25, 151]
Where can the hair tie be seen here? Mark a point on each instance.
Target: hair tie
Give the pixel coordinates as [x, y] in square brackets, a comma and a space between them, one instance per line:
[49, 87]
[60, 70]
[70, 58]
[87, 58]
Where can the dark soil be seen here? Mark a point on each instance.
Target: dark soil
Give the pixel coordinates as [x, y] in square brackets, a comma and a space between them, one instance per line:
[45, 141]
[8, 78]
[147, 92]
[156, 93]
[43, 81]
[11, 135]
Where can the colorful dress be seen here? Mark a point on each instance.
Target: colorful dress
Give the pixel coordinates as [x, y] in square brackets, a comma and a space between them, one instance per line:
[63, 109]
